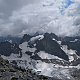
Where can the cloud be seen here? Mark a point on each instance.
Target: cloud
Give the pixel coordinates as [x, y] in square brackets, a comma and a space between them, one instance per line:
[58, 16]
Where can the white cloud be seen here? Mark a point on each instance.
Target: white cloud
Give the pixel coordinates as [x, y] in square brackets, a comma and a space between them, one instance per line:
[55, 16]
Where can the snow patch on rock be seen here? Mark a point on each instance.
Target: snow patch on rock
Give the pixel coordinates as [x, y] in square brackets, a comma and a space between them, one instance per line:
[69, 52]
[45, 55]
[40, 37]
[24, 47]
[74, 40]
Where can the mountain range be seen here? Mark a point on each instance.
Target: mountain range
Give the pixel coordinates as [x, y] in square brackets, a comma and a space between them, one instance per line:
[49, 55]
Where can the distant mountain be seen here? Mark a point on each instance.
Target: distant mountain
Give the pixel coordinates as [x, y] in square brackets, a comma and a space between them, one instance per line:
[6, 48]
[10, 39]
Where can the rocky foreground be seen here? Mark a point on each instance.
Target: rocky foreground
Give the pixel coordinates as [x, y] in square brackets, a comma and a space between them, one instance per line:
[11, 72]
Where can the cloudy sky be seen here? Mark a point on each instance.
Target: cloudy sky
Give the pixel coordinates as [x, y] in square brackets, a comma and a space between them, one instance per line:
[18, 17]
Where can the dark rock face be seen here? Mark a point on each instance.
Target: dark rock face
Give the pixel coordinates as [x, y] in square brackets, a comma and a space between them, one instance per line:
[26, 37]
[51, 47]
[29, 53]
[51, 35]
[36, 57]
[6, 48]
[75, 63]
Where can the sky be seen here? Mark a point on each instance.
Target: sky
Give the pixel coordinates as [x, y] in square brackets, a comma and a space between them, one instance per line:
[19, 17]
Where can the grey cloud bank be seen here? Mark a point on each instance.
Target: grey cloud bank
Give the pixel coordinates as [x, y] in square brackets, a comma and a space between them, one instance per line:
[18, 17]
